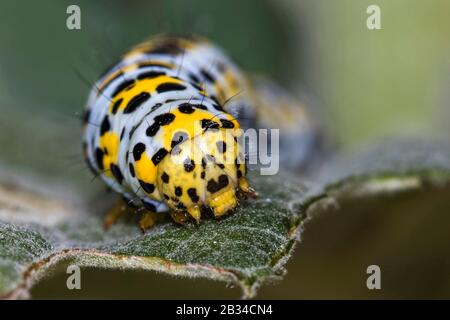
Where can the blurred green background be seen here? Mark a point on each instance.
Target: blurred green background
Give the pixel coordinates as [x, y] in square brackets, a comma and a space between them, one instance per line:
[366, 83]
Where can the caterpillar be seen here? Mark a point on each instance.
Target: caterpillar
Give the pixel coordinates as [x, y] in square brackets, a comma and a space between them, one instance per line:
[160, 127]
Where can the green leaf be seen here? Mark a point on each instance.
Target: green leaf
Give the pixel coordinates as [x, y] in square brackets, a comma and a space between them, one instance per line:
[245, 248]
[248, 248]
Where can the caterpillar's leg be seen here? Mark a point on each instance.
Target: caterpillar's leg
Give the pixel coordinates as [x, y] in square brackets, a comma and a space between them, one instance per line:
[223, 203]
[180, 217]
[246, 190]
[148, 219]
[117, 211]
[195, 213]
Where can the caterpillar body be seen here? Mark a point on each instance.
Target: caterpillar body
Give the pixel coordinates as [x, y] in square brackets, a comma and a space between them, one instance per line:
[158, 126]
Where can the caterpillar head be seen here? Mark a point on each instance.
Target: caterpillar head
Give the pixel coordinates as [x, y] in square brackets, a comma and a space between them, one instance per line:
[205, 170]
